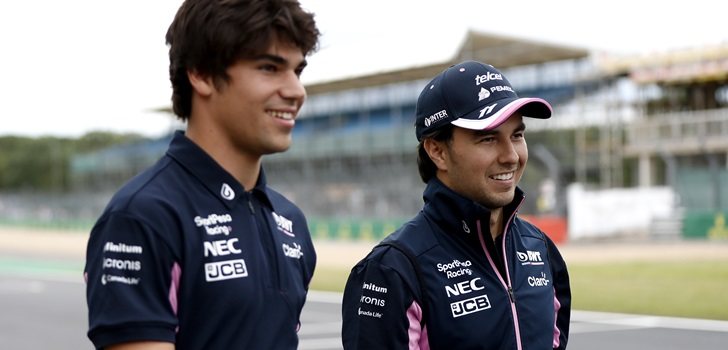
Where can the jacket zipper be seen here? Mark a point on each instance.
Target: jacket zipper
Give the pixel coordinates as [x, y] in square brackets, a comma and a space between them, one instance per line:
[267, 242]
[505, 283]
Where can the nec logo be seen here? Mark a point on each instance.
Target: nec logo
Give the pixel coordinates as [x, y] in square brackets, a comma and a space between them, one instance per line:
[463, 287]
[469, 306]
[530, 257]
[225, 270]
[221, 248]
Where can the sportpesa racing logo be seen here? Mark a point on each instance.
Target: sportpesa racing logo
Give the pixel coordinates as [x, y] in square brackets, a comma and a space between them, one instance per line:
[455, 268]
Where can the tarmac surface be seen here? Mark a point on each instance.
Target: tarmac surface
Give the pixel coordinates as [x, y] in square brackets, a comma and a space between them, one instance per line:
[72, 245]
[43, 304]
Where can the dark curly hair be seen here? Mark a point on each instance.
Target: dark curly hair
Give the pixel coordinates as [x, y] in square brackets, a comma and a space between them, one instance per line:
[208, 36]
[425, 165]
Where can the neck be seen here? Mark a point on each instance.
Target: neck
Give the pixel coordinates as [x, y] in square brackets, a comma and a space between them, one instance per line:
[496, 222]
[243, 166]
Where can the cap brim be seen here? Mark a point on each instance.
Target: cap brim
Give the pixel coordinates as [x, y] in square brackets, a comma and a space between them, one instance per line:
[532, 107]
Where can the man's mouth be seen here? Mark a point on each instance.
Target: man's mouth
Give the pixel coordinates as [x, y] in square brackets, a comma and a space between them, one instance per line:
[503, 177]
[281, 114]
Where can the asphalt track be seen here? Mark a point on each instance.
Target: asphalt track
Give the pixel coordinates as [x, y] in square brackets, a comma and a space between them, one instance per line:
[42, 306]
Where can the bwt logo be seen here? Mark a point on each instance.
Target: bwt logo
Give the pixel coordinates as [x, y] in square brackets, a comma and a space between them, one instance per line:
[530, 257]
[469, 306]
[225, 270]
[284, 224]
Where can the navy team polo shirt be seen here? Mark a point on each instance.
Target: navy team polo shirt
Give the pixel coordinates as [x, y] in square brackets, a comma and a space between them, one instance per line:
[183, 254]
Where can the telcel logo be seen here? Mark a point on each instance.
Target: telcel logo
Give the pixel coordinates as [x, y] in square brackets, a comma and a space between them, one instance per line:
[224, 270]
[469, 306]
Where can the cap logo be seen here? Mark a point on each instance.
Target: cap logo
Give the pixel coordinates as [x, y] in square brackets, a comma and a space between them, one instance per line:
[502, 88]
[435, 117]
[483, 94]
[487, 110]
[480, 79]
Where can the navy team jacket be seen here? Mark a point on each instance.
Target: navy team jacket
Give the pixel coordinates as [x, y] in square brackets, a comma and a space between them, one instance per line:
[470, 305]
[184, 254]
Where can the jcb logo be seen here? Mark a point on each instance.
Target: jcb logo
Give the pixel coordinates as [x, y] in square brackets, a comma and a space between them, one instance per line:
[224, 270]
[468, 306]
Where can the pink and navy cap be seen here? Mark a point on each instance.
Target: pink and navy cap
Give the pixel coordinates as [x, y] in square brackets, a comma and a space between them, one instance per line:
[472, 95]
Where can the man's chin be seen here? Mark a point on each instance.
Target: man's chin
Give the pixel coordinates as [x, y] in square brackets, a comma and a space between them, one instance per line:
[500, 201]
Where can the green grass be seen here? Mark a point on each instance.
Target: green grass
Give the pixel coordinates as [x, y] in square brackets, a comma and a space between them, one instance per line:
[684, 289]
[695, 289]
[328, 278]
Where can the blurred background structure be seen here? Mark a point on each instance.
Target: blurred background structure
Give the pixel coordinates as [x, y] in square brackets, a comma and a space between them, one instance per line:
[637, 147]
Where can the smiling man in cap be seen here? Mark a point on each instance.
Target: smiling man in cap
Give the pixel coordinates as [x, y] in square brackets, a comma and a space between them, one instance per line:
[467, 272]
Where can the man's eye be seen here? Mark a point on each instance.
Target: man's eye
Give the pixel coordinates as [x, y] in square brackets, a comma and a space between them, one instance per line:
[269, 67]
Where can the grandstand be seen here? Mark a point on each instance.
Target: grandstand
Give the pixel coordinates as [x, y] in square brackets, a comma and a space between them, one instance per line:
[619, 122]
[354, 151]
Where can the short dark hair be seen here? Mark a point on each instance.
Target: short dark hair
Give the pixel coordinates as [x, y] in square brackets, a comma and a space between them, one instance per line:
[425, 165]
[209, 36]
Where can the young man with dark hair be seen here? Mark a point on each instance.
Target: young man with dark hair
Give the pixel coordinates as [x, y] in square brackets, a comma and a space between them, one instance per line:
[467, 272]
[197, 252]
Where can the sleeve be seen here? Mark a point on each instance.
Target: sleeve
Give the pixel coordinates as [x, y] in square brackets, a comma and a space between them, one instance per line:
[562, 296]
[378, 309]
[129, 283]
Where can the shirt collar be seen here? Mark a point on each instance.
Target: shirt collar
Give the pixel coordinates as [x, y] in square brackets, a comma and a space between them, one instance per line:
[216, 179]
[457, 214]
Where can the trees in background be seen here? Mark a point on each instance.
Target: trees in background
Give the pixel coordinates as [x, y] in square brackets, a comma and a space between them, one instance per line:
[42, 163]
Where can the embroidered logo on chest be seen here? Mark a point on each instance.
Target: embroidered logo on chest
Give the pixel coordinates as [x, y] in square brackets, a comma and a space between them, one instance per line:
[284, 225]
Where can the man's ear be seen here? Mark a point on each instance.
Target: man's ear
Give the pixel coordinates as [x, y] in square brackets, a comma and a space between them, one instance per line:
[203, 85]
[437, 152]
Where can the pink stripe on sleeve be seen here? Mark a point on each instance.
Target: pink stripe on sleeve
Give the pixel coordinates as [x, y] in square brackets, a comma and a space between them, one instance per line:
[557, 332]
[417, 334]
[174, 286]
